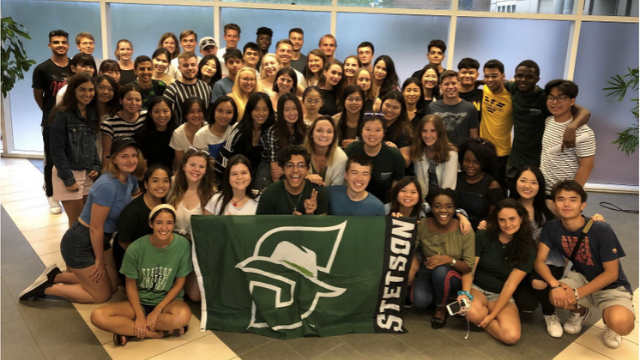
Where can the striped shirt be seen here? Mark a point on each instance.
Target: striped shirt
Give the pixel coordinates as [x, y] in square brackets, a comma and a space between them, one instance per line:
[177, 93]
[116, 127]
[563, 165]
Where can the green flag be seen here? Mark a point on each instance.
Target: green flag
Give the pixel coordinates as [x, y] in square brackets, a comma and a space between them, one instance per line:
[293, 276]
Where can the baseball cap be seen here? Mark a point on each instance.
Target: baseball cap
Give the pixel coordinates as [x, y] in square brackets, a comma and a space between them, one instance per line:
[207, 41]
[121, 143]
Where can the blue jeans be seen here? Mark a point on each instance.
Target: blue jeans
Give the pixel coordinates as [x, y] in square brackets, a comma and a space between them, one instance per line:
[439, 284]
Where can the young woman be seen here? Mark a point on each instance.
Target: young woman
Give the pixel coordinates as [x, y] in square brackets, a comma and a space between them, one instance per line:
[154, 136]
[245, 138]
[81, 62]
[328, 161]
[414, 100]
[364, 81]
[331, 87]
[111, 68]
[316, 61]
[209, 70]
[134, 219]
[270, 65]
[312, 100]
[351, 65]
[349, 120]
[222, 117]
[170, 42]
[430, 84]
[105, 103]
[385, 78]
[237, 196]
[73, 131]
[143, 68]
[289, 129]
[86, 250]
[245, 85]
[388, 163]
[505, 253]
[447, 257]
[183, 137]
[435, 159]
[124, 122]
[286, 82]
[398, 128]
[479, 192]
[154, 309]
[124, 52]
[161, 62]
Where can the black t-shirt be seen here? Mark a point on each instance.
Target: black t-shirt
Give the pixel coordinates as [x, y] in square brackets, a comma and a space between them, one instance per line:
[127, 76]
[49, 77]
[155, 146]
[157, 89]
[329, 107]
[475, 98]
[276, 200]
[388, 166]
[368, 106]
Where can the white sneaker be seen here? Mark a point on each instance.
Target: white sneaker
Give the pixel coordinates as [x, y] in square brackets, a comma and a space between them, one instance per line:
[54, 206]
[554, 328]
[574, 323]
[611, 339]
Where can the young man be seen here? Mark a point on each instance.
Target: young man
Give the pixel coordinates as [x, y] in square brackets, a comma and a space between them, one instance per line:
[284, 51]
[233, 62]
[231, 37]
[49, 77]
[251, 55]
[468, 74]
[353, 199]
[497, 117]
[435, 56]
[86, 43]
[264, 35]
[187, 86]
[529, 113]
[208, 46]
[459, 116]
[188, 41]
[328, 44]
[143, 68]
[597, 278]
[366, 53]
[575, 163]
[294, 194]
[298, 59]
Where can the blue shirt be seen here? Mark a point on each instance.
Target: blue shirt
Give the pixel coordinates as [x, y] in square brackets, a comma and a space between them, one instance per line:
[341, 204]
[221, 87]
[109, 192]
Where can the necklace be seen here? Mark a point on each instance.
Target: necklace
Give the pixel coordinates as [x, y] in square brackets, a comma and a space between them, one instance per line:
[235, 202]
[295, 206]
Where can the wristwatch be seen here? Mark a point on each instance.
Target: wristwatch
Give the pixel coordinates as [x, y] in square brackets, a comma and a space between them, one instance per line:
[453, 262]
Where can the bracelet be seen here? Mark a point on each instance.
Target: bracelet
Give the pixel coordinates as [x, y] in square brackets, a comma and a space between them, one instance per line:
[555, 287]
[575, 292]
[464, 292]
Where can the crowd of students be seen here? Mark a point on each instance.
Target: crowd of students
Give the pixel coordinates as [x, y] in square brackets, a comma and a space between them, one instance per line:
[135, 147]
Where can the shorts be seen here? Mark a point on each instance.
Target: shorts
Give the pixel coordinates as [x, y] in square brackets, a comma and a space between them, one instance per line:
[491, 296]
[147, 308]
[76, 249]
[60, 192]
[601, 299]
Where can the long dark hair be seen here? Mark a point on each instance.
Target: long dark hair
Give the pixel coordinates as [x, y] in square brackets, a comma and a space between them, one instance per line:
[188, 104]
[339, 87]
[541, 213]
[246, 125]
[83, 59]
[69, 100]
[435, 94]
[342, 122]
[226, 192]
[522, 244]
[401, 184]
[211, 117]
[150, 170]
[420, 104]
[217, 76]
[149, 124]
[300, 129]
[113, 105]
[390, 81]
[401, 125]
[292, 74]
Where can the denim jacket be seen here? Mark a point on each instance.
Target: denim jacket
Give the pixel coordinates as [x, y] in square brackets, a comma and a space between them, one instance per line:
[73, 143]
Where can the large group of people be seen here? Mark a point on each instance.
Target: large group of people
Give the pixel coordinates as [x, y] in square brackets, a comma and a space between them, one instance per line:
[135, 146]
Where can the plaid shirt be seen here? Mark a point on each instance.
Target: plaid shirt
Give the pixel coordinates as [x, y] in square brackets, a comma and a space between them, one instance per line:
[271, 145]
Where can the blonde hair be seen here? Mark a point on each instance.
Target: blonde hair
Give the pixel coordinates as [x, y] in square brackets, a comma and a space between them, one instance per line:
[371, 93]
[238, 95]
[109, 167]
[117, 53]
[263, 74]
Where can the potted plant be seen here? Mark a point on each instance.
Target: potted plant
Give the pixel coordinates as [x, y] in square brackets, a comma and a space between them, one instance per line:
[14, 59]
[627, 140]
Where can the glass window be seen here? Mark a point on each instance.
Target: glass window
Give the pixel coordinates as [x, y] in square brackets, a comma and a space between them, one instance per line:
[522, 6]
[315, 25]
[73, 17]
[619, 44]
[143, 24]
[403, 37]
[286, 2]
[518, 40]
[611, 7]
[398, 4]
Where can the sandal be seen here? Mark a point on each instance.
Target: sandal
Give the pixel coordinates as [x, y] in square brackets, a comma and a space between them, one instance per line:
[120, 340]
[438, 323]
[176, 332]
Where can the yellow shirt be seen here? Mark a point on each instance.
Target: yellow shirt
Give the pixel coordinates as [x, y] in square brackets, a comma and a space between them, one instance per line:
[497, 119]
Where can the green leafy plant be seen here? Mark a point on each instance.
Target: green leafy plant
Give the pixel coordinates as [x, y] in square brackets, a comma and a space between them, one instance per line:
[14, 59]
[627, 140]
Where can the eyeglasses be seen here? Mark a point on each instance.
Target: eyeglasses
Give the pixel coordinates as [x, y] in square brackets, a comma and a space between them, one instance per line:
[560, 98]
[374, 114]
[291, 166]
[193, 150]
[103, 88]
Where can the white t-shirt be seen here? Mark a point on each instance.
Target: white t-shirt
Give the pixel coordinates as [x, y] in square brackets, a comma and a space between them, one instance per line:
[183, 218]
[249, 208]
[206, 140]
[179, 139]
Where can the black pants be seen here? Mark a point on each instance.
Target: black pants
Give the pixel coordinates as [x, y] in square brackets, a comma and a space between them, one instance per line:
[48, 162]
[501, 173]
[543, 295]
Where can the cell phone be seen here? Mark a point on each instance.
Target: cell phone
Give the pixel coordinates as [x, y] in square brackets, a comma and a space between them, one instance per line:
[460, 307]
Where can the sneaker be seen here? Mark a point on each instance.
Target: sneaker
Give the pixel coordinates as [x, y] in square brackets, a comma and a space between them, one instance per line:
[54, 207]
[554, 328]
[50, 273]
[574, 323]
[36, 290]
[611, 339]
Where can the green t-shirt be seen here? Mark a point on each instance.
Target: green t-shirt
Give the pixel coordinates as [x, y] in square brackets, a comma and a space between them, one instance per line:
[529, 114]
[454, 244]
[388, 166]
[276, 200]
[134, 221]
[156, 269]
[491, 272]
